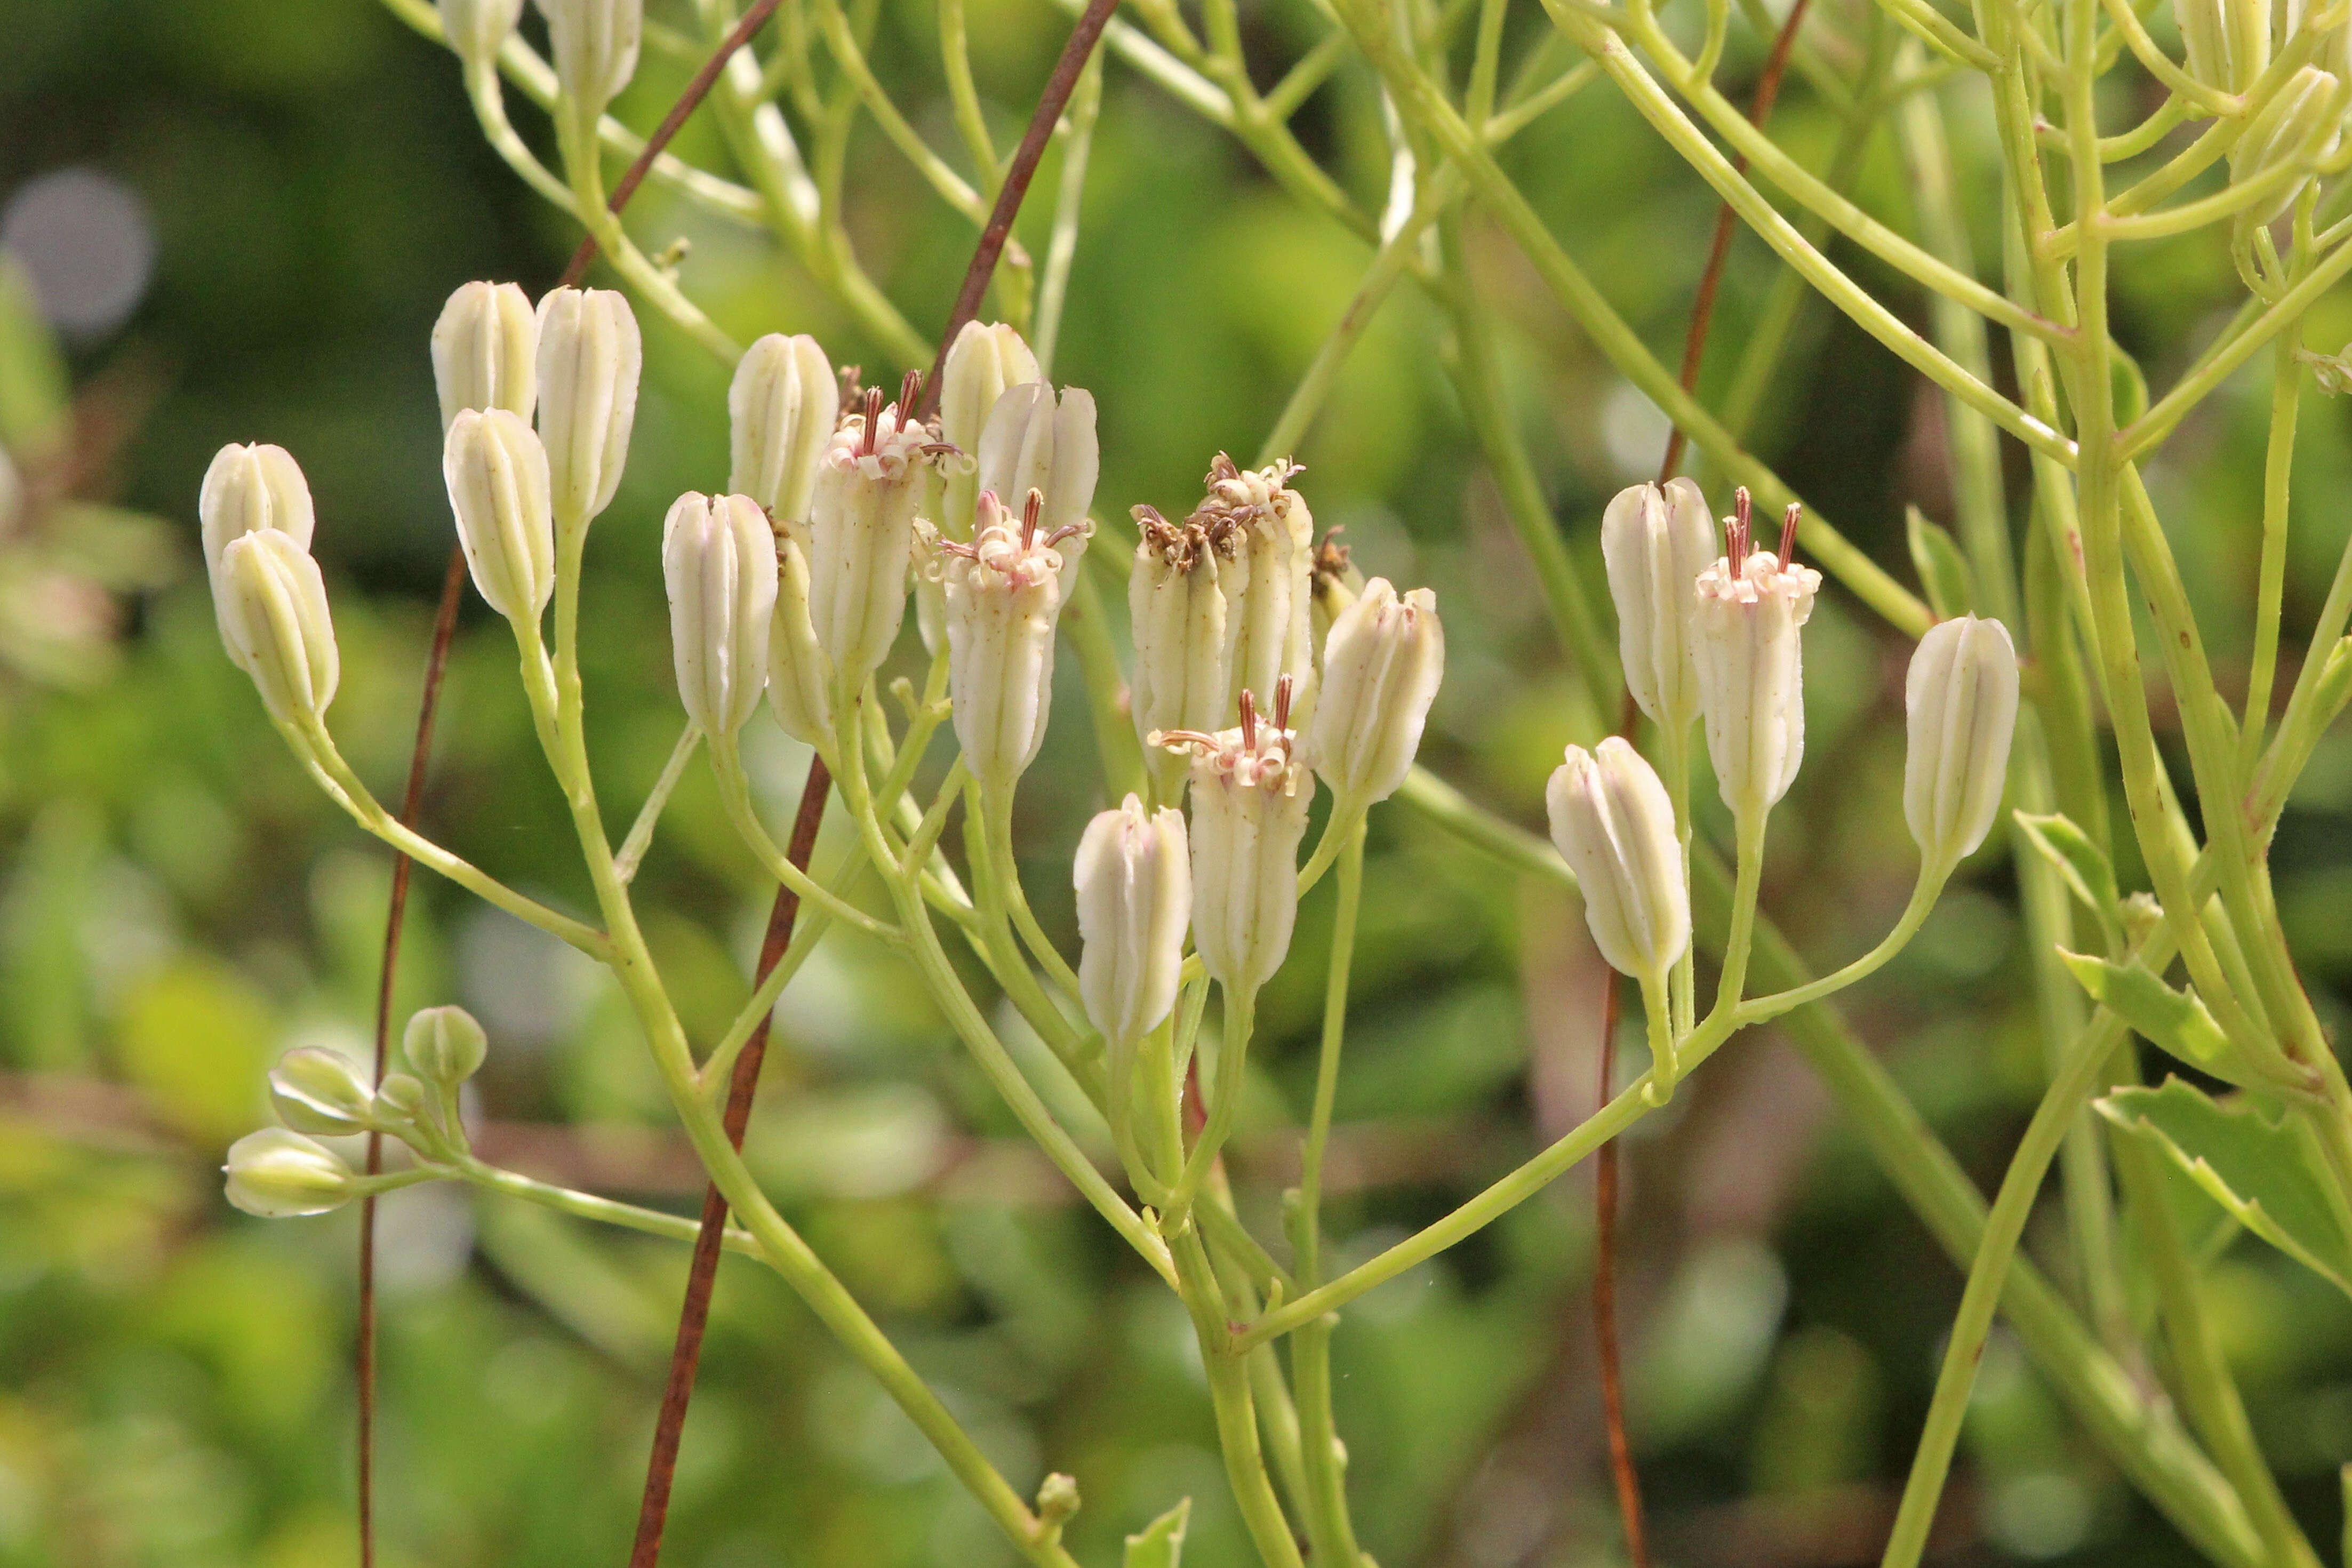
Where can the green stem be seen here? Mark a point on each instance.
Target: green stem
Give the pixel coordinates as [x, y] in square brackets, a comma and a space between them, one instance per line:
[2278, 466]
[1224, 1110]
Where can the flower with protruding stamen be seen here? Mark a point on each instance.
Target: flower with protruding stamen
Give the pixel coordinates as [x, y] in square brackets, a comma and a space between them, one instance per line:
[1034, 441]
[278, 1174]
[272, 604]
[1614, 825]
[590, 358]
[1656, 542]
[595, 46]
[497, 473]
[1135, 898]
[782, 408]
[1003, 593]
[718, 563]
[486, 352]
[1959, 704]
[1250, 796]
[1751, 604]
[862, 533]
[1177, 609]
[1381, 667]
[1261, 529]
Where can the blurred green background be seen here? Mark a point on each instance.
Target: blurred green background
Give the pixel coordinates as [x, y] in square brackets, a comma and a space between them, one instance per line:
[239, 219]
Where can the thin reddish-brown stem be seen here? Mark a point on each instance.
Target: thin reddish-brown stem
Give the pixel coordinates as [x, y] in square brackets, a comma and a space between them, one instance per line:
[1768, 87]
[1604, 1266]
[680, 112]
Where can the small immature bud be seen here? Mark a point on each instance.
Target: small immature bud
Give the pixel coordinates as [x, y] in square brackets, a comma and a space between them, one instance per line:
[1135, 898]
[278, 1174]
[862, 534]
[1003, 593]
[1614, 825]
[800, 677]
[444, 1044]
[1751, 607]
[485, 350]
[590, 357]
[1655, 542]
[1960, 702]
[497, 474]
[2226, 42]
[248, 488]
[1265, 533]
[477, 30]
[1177, 609]
[594, 43]
[1031, 442]
[321, 1092]
[719, 560]
[273, 619]
[1249, 811]
[2299, 126]
[781, 410]
[1381, 667]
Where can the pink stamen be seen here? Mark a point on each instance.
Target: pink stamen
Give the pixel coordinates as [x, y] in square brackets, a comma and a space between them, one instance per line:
[1788, 533]
[1032, 509]
[909, 390]
[1067, 530]
[1282, 689]
[1736, 527]
[873, 421]
[1249, 722]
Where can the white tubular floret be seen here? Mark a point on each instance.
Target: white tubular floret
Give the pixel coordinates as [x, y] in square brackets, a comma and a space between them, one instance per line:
[781, 410]
[1960, 709]
[1003, 595]
[497, 473]
[589, 359]
[718, 563]
[246, 489]
[274, 619]
[862, 535]
[1134, 884]
[1614, 825]
[1381, 667]
[486, 352]
[278, 1174]
[1034, 441]
[477, 29]
[1751, 604]
[1249, 811]
[1655, 542]
[1267, 536]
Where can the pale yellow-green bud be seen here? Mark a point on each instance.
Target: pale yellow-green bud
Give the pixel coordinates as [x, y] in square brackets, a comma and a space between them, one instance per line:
[246, 490]
[1614, 825]
[590, 358]
[718, 563]
[1656, 542]
[445, 1046]
[1134, 884]
[477, 30]
[782, 408]
[1176, 611]
[594, 44]
[278, 1174]
[321, 1092]
[1381, 667]
[1265, 536]
[2298, 127]
[1960, 707]
[497, 474]
[485, 350]
[273, 619]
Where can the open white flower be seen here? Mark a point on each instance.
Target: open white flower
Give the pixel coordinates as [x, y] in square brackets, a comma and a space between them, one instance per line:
[1177, 610]
[1249, 800]
[1265, 535]
[1751, 604]
[1003, 595]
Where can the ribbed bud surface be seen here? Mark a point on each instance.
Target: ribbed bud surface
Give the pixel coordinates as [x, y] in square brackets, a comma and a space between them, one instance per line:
[590, 358]
[1613, 824]
[718, 563]
[1654, 543]
[1960, 711]
[272, 606]
[781, 410]
[1134, 884]
[497, 474]
[1381, 667]
[278, 1174]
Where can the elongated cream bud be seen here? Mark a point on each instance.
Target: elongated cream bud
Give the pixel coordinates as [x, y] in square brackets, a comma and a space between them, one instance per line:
[590, 357]
[1656, 542]
[719, 562]
[497, 474]
[1751, 607]
[800, 676]
[273, 619]
[1033, 442]
[321, 1092]
[1176, 611]
[1249, 811]
[985, 359]
[862, 535]
[1381, 667]
[477, 29]
[1266, 534]
[1003, 593]
[2226, 43]
[594, 44]
[1614, 825]
[248, 488]
[2300, 126]
[444, 1045]
[278, 1174]
[485, 350]
[780, 411]
[1135, 898]
[1961, 708]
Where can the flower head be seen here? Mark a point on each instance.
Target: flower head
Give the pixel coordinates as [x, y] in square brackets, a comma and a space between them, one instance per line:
[278, 1174]
[590, 357]
[1263, 531]
[862, 532]
[272, 604]
[782, 408]
[1003, 595]
[1751, 604]
[1250, 795]
[485, 350]
[497, 479]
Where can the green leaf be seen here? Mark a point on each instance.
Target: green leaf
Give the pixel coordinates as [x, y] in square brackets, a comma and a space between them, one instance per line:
[1162, 1541]
[2085, 866]
[2176, 1020]
[2261, 1171]
[1943, 570]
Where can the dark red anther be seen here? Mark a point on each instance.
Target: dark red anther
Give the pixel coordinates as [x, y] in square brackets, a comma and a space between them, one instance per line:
[873, 421]
[1282, 690]
[910, 389]
[1031, 510]
[1249, 722]
[1737, 528]
[1788, 533]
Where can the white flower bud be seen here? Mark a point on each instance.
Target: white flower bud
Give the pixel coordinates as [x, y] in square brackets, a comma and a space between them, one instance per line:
[321, 1092]
[1655, 542]
[2300, 126]
[1752, 604]
[278, 1174]
[1614, 825]
[248, 488]
[1176, 611]
[485, 350]
[1267, 536]
[1003, 593]
[719, 561]
[800, 677]
[1033, 442]
[594, 43]
[1135, 898]
[444, 1045]
[862, 536]
[273, 619]
[1381, 667]
[590, 357]
[984, 359]
[2226, 43]
[1961, 708]
[781, 410]
[477, 29]
[1249, 812]
[497, 473]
